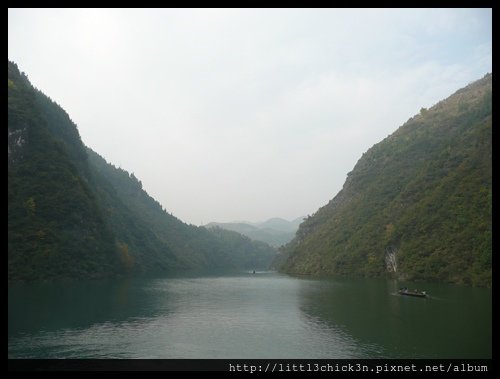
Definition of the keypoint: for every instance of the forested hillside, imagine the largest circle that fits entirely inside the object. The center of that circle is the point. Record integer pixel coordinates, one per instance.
(55, 226)
(73, 215)
(416, 205)
(159, 239)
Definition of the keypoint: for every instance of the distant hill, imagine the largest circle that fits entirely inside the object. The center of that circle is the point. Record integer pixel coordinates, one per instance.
(73, 215)
(416, 205)
(275, 231)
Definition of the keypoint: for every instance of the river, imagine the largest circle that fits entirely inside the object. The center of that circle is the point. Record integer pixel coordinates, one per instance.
(246, 315)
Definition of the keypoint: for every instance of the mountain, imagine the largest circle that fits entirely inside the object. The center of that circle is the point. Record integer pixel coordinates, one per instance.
(416, 206)
(55, 225)
(73, 215)
(278, 224)
(138, 221)
(275, 231)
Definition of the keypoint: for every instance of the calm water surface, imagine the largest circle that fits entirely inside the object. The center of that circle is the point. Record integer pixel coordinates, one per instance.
(245, 315)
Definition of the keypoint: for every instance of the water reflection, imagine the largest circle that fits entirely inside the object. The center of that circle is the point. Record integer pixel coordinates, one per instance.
(388, 325)
(70, 305)
(246, 316)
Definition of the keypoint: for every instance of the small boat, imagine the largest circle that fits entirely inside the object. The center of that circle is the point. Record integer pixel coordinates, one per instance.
(415, 293)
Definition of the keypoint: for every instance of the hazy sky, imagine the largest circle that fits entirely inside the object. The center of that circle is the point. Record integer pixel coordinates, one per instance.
(245, 114)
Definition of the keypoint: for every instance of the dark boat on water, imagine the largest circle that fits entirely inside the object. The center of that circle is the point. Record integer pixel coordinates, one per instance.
(415, 293)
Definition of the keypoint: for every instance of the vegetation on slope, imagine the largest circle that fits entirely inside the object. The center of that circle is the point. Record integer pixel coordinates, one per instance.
(73, 215)
(55, 227)
(157, 239)
(416, 205)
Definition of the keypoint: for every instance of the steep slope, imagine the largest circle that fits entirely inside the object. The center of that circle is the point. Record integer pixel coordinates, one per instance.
(157, 239)
(55, 227)
(73, 215)
(416, 205)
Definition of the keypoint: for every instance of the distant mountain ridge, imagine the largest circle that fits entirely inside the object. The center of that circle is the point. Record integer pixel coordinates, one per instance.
(417, 205)
(275, 231)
